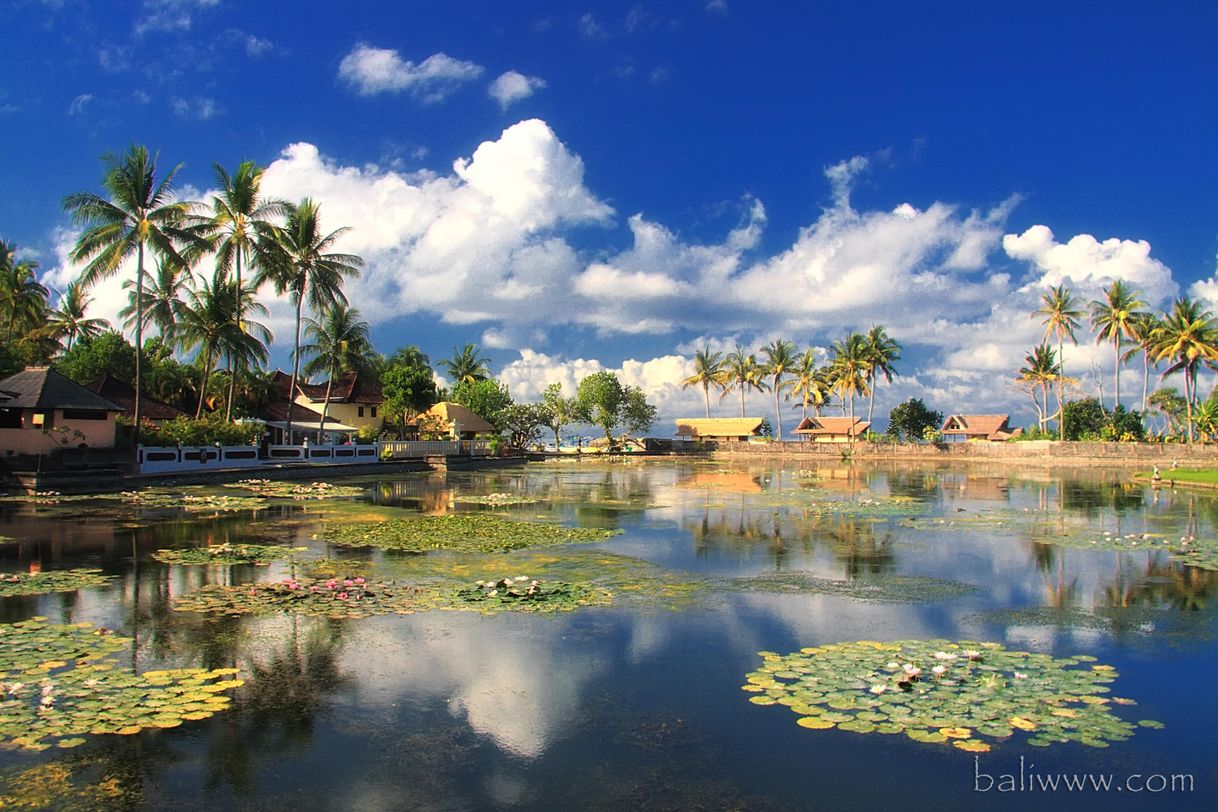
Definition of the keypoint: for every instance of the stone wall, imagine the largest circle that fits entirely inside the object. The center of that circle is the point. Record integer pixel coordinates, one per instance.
(1030, 452)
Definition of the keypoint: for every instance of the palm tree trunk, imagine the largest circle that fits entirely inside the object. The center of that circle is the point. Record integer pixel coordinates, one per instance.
(1116, 378)
(742, 397)
(206, 378)
(1188, 400)
(870, 400)
(1145, 377)
(1061, 377)
(325, 405)
(706, 394)
(777, 410)
(232, 367)
(139, 342)
(295, 367)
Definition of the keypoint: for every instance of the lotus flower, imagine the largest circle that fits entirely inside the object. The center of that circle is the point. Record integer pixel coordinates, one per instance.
(972, 654)
(939, 670)
(348, 582)
(878, 689)
(359, 580)
(342, 596)
(943, 655)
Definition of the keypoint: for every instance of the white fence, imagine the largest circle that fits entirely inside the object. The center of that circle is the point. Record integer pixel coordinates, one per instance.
(176, 459)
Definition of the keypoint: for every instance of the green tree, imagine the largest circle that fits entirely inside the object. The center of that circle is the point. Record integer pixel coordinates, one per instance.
(206, 321)
(743, 372)
(69, 321)
(140, 214)
(1061, 316)
(1113, 319)
(1171, 404)
(91, 358)
(810, 384)
(164, 292)
(299, 260)
(467, 365)
(603, 401)
(523, 422)
(408, 390)
(1187, 338)
(559, 411)
(709, 370)
(779, 361)
(910, 420)
(338, 343)
(638, 416)
(1084, 419)
(1040, 369)
(485, 398)
(1145, 327)
(23, 299)
(883, 352)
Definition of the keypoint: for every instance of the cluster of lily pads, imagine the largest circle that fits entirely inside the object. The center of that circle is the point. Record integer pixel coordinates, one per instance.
(474, 532)
(295, 490)
(257, 554)
(532, 595)
(873, 588)
(498, 499)
(192, 502)
(937, 691)
(57, 686)
(1188, 549)
(40, 583)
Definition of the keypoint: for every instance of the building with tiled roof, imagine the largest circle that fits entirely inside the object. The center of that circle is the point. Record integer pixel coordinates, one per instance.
(42, 411)
(122, 394)
(992, 427)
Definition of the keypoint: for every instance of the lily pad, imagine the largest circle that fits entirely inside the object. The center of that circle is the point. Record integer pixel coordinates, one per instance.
(938, 691)
(498, 499)
(257, 554)
(39, 583)
(477, 532)
(57, 686)
(296, 490)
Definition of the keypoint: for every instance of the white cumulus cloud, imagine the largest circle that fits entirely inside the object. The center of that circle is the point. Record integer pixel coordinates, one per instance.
(511, 87)
(381, 70)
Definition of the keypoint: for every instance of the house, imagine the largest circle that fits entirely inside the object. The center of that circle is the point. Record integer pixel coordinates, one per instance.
(719, 429)
(831, 429)
(462, 424)
(306, 423)
(42, 411)
(992, 427)
(356, 399)
(122, 394)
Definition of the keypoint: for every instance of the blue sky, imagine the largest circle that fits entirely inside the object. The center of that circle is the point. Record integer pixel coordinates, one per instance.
(611, 185)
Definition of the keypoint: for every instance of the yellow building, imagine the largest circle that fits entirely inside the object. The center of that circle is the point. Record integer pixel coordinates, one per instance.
(831, 429)
(355, 400)
(719, 429)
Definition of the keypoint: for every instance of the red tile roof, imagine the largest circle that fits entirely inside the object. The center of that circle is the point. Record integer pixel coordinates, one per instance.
(122, 394)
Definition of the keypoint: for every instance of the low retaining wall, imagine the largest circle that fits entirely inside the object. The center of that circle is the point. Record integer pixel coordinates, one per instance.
(1028, 452)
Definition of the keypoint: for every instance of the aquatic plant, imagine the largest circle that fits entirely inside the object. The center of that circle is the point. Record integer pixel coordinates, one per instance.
(39, 583)
(522, 593)
(296, 490)
(350, 596)
(192, 502)
(257, 554)
(938, 691)
(872, 588)
(498, 499)
(475, 532)
(58, 687)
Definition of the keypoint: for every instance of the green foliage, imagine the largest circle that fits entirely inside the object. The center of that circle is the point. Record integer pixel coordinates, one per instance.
(207, 430)
(474, 532)
(937, 691)
(1123, 426)
(522, 593)
(1086, 420)
(296, 490)
(408, 390)
(61, 687)
(11, 360)
(910, 420)
(523, 422)
(342, 597)
(91, 358)
(41, 583)
(559, 411)
(603, 401)
(256, 554)
(486, 398)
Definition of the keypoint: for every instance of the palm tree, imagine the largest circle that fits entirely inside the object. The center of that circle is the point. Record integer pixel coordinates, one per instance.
(240, 224)
(163, 296)
(1113, 320)
(779, 360)
(69, 320)
(709, 370)
(140, 214)
(1144, 326)
(207, 323)
(339, 344)
(23, 299)
(297, 259)
(742, 370)
(1041, 368)
(809, 384)
(466, 366)
(851, 359)
(883, 351)
(1061, 319)
(1188, 337)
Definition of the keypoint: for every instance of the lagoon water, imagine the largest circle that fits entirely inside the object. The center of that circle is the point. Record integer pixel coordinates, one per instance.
(638, 704)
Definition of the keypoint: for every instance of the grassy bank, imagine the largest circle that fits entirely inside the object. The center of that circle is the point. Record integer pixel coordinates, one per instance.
(1201, 477)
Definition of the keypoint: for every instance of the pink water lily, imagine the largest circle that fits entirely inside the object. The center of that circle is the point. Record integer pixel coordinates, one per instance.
(359, 580)
(342, 596)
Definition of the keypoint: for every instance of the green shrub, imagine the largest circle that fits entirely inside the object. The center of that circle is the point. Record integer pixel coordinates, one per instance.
(211, 429)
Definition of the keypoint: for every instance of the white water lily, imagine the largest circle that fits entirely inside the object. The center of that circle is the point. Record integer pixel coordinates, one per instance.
(943, 655)
(878, 689)
(939, 670)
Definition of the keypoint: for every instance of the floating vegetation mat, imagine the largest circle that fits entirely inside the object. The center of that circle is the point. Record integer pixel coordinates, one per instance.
(161, 499)
(58, 687)
(1150, 623)
(871, 589)
(39, 583)
(498, 499)
(1189, 550)
(355, 597)
(942, 692)
(815, 502)
(296, 490)
(257, 554)
(62, 786)
(477, 532)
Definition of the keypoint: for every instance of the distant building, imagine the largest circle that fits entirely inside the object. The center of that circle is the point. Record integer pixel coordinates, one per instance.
(719, 429)
(42, 411)
(831, 429)
(122, 394)
(462, 424)
(356, 401)
(992, 427)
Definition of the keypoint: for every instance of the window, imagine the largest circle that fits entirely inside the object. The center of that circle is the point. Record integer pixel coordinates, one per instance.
(83, 414)
(361, 411)
(10, 418)
(374, 411)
